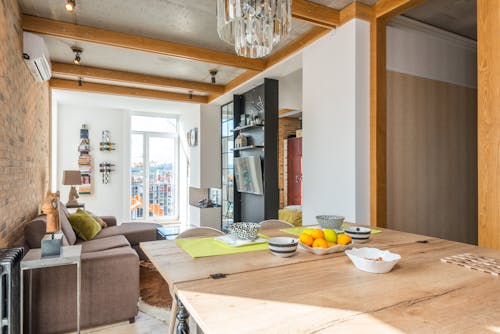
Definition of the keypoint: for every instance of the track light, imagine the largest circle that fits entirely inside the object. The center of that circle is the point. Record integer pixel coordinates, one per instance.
(70, 5)
(213, 73)
(190, 95)
(77, 51)
(80, 82)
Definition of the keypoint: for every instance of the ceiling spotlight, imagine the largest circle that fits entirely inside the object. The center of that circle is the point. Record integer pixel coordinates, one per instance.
(80, 82)
(70, 5)
(77, 51)
(213, 73)
(190, 95)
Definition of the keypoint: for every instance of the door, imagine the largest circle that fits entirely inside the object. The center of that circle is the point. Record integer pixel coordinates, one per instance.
(294, 171)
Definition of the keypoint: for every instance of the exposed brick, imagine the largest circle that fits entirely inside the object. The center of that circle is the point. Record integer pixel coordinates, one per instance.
(24, 131)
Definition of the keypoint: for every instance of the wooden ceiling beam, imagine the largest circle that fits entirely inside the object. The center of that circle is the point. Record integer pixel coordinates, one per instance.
(135, 78)
(126, 91)
(385, 9)
(315, 13)
(134, 42)
(356, 10)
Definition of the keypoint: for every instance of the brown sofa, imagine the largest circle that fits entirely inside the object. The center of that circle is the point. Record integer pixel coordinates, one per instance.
(109, 273)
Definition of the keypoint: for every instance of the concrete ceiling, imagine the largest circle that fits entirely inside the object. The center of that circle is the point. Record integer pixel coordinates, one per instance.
(456, 16)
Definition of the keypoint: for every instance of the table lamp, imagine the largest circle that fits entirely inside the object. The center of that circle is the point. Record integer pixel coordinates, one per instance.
(72, 178)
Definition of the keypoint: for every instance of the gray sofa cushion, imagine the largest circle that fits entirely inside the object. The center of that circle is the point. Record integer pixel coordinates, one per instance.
(35, 231)
(134, 232)
(65, 225)
(98, 245)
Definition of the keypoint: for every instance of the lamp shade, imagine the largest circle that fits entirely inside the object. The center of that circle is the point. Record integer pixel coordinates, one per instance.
(72, 178)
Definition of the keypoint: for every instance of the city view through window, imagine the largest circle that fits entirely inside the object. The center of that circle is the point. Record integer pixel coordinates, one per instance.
(153, 166)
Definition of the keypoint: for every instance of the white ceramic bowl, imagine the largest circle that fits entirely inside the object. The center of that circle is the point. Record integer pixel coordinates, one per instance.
(373, 260)
(358, 234)
(283, 246)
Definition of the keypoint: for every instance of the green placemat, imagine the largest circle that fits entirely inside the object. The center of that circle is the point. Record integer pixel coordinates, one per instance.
(203, 247)
(299, 230)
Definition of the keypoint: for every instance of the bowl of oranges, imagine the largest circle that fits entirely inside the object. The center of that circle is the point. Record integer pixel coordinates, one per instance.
(321, 242)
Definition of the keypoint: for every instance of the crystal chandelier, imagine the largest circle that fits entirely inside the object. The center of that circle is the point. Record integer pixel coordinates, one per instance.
(253, 26)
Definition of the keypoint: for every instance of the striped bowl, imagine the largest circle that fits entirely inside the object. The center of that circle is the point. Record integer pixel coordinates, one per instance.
(358, 234)
(283, 246)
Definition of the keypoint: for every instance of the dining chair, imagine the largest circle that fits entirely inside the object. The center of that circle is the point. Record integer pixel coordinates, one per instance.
(191, 233)
(274, 224)
(200, 232)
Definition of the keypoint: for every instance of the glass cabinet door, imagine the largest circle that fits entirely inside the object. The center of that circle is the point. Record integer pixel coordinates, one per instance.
(227, 125)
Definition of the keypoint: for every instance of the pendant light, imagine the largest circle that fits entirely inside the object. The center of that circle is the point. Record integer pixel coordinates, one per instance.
(253, 26)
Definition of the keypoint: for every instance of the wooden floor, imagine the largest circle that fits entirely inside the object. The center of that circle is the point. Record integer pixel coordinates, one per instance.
(143, 324)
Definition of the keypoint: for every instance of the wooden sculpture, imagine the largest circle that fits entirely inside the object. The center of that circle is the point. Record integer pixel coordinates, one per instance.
(51, 208)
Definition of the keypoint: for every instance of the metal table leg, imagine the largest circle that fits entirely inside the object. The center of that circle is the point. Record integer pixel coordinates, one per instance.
(182, 318)
(21, 302)
(30, 300)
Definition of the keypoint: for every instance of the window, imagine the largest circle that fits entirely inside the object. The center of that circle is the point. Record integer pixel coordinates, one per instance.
(154, 166)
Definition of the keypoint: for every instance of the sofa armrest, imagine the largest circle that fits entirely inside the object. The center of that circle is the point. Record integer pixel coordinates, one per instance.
(109, 220)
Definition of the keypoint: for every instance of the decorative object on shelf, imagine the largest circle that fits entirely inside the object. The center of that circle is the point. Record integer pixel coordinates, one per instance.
(243, 120)
(192, 137)
(85, 162)
(254, 27)
(72, 178)
(106, 168)
(241, 141)
(51, 244)
(106, 144)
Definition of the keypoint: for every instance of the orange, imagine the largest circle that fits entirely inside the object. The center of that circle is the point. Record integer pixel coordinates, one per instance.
(331, 244)
(320, 243)
(343, 239)
(306, 239)
(317, 234)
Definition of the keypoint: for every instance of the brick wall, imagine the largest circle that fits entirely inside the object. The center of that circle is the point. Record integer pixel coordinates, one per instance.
(24, 132)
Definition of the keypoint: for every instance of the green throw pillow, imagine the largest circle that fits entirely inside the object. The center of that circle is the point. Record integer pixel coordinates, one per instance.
(84, 225)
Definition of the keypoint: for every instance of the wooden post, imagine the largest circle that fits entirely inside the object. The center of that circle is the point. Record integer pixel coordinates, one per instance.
(378, 123)
(488, 121)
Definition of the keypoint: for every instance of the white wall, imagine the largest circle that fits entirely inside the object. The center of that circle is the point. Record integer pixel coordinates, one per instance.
(418, 49)
(336, 124)
(290, 91)
(72, 109)
(106, 199)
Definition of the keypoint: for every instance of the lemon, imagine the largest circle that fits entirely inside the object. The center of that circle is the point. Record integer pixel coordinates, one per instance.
(330, 235)
(307, 231)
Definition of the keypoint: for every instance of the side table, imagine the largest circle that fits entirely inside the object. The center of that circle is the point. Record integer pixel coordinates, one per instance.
(70, 255)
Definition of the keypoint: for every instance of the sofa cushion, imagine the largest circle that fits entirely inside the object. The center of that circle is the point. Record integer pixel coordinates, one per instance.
(134, 232)
(98, 245)
(65, 225)
(98, 219)
(84, 225)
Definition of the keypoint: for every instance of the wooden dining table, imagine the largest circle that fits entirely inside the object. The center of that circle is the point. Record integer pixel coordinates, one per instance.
(257, 292)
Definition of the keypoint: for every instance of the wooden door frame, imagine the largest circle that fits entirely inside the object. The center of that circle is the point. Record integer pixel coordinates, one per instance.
(383, 11)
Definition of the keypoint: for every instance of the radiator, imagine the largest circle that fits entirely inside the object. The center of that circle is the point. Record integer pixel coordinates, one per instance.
(10, 260)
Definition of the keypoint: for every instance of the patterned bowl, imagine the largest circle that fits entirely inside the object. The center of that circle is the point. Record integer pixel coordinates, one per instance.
(331, 222)
(244, 231)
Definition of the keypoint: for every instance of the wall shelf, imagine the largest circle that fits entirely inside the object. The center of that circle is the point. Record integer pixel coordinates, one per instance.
(248, 127)
(250, 147)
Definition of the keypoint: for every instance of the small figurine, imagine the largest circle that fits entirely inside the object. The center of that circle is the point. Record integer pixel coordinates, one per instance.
(50, 207)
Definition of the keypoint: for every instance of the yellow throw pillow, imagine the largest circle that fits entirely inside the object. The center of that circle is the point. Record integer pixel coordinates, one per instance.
(84, 225)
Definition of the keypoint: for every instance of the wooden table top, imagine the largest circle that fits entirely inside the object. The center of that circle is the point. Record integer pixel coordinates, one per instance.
(326, 294)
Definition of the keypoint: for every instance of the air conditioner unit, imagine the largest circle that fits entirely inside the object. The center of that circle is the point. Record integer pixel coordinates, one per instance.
(36, 56)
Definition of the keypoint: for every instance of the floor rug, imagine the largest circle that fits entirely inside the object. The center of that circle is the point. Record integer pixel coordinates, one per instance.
(155, 300)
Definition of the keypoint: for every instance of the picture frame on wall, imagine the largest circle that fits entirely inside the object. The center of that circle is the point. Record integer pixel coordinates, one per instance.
(192, 137)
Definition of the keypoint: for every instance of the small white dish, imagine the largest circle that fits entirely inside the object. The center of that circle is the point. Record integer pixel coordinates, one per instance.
(373, 260)
(323, 251)
(283, 246)
(228, 240)
(358, 234)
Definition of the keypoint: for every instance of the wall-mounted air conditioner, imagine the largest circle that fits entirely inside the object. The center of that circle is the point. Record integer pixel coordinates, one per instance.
(36, 56)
